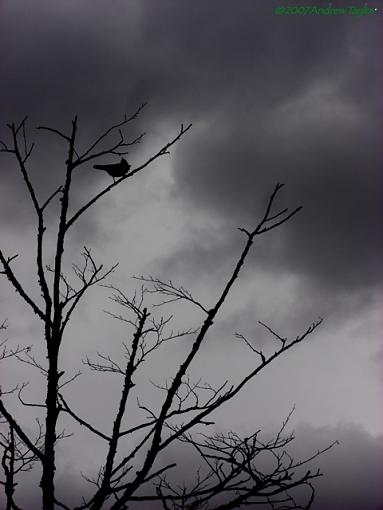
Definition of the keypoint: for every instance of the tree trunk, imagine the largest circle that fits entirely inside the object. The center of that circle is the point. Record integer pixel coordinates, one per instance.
(47, 479)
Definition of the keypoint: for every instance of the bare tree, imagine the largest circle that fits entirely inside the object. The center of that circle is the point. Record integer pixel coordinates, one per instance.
(232, 477)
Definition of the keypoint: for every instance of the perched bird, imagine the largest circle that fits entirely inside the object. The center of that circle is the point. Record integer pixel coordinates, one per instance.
(116, 170)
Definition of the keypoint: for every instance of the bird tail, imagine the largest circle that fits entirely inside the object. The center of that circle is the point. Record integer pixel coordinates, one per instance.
(100, 167)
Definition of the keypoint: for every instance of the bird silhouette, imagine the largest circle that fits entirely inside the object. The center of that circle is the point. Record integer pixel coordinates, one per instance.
(115, 170)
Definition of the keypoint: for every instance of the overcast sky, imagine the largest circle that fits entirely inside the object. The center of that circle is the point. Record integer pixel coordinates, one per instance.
(272, 98)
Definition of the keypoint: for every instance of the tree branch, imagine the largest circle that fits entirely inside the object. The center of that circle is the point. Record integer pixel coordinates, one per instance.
(16, 284)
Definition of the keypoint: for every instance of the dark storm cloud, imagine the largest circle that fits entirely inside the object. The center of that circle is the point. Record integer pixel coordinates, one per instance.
(322, 141)
(272, 98)
(350, 472)
(297, 101)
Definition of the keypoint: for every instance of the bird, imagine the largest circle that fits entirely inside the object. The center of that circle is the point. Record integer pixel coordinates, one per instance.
(115, 170)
